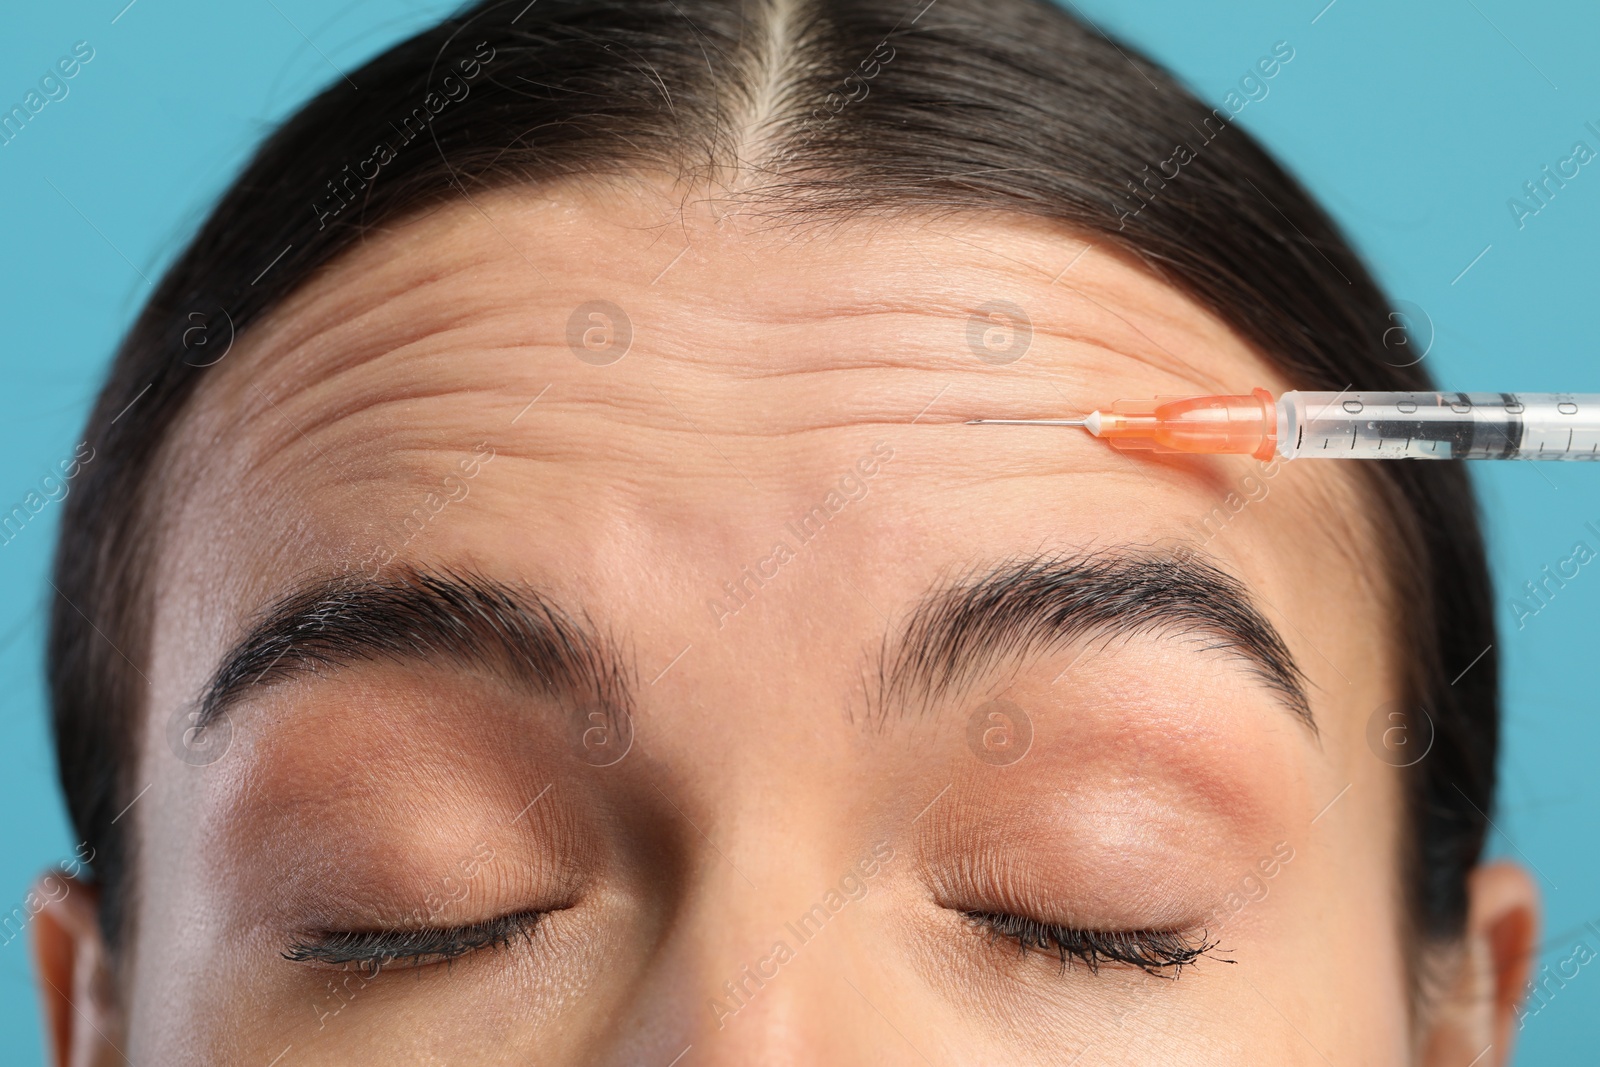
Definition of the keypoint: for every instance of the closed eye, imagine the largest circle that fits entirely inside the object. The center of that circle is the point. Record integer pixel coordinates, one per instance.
(374, 949)
(1159, 952)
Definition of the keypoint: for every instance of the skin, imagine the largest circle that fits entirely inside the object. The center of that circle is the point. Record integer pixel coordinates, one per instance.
(1162, 779)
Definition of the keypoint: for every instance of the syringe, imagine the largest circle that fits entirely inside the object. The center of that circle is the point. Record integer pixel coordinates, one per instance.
(1348, 425)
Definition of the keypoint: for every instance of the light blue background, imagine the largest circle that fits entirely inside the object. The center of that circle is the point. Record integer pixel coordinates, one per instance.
(1414, 123)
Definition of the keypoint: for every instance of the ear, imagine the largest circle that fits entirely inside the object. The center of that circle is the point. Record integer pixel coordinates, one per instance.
(81, 1022)
(1477, 1016)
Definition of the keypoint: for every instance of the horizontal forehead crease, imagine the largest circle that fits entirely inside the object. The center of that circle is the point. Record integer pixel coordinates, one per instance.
(513, 294)
(447, 392)
(714, 330)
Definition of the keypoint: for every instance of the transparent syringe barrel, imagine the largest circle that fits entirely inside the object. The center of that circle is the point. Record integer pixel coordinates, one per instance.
(1353, 425)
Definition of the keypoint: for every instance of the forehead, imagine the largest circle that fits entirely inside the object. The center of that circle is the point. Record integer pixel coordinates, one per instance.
(633, 401)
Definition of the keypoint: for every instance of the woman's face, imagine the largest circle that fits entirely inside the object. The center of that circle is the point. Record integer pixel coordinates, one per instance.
(655, 583)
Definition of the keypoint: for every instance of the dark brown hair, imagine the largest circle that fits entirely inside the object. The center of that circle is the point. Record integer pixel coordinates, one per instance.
(863, 107)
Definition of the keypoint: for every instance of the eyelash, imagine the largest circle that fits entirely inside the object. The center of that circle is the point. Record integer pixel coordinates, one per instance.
(1162, 953)
(375, 949)
(1156, 952)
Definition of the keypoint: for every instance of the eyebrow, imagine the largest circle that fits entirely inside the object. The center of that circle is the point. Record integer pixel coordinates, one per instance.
(1037, 605)
(513, 633)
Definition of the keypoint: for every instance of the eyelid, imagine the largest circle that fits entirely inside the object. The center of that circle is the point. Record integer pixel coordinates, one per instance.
(419, 947)
(1162, 953)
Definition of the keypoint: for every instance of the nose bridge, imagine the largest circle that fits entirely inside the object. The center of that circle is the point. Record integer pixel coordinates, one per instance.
(772, 941)
(776, 985)
(770, 962)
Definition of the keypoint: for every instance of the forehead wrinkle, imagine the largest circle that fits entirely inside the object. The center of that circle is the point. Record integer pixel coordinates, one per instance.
(669, 402)
(1136, 285)
(1170, 362)
(345, 326)
(362, 306)
(350, 371)
(567, 426)
(328, 305)
(380, 404)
